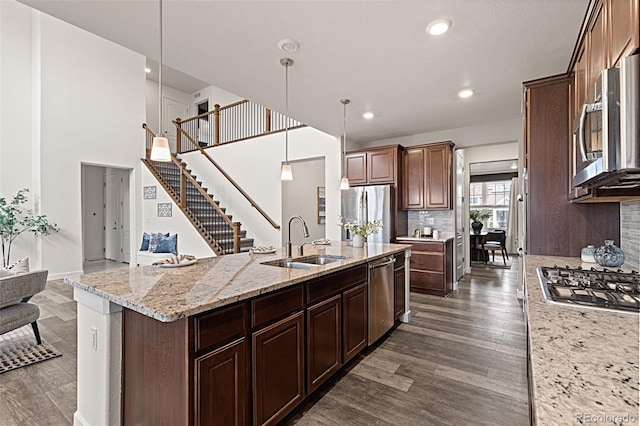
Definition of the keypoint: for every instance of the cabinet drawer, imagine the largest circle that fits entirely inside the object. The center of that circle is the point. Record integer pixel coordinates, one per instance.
(217, 327)
(427, 261)
(268, 308)
(427, 280)
(332, 284)
(432, 246)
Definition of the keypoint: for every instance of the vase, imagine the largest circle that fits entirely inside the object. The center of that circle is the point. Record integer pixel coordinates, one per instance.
(358, 241)
(609, 255)
(476, 226)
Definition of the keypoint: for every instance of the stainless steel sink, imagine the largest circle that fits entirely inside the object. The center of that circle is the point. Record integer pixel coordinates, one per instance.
(305, 262)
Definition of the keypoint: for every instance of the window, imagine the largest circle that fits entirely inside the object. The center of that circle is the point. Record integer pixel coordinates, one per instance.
(492, 196)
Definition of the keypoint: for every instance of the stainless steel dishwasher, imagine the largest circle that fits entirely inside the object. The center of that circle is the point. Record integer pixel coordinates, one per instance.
(381, 293)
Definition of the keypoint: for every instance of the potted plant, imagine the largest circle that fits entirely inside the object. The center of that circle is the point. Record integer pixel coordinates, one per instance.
(476, 217)
(15, 219)
(361, 232)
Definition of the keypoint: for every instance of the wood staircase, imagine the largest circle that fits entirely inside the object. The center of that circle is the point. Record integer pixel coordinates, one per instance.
(211, 222)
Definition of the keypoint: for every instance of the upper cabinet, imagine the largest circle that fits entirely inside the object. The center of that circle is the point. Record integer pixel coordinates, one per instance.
(623, 19)
(374, 166)
(427, 182)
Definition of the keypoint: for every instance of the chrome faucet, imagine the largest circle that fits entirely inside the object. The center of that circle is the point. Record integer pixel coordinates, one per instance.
(305, 230)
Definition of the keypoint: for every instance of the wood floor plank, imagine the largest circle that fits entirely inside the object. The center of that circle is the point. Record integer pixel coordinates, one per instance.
(383, 377)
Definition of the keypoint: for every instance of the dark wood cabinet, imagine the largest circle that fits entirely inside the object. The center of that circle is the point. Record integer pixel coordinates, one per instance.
(357, 168)
(428, 178)
(596, 43)
(374, 166)
(324, 341)
(221, 386)
(431, 266)
(555, 225)
(278, 369)
(354, 323)
(623, 29)
(399, 288)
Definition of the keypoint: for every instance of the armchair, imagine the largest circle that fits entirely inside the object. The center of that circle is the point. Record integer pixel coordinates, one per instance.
(15, 309)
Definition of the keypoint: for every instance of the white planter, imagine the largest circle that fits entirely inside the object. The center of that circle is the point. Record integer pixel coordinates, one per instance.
(358, 241)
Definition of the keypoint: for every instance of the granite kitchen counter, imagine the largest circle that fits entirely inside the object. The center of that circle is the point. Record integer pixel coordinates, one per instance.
(168, 294)
(584, 362)
(409, 238)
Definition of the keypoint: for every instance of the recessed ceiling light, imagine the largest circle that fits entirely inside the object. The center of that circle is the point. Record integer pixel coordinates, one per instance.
(465, 93)
(368, 115)
(147, 70)
(288, 45)
(439, 27)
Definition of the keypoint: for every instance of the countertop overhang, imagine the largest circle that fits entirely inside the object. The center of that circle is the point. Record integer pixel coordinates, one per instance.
(584, 362)
(168, 294)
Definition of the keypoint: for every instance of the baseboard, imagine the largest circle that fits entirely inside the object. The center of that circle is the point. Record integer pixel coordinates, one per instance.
(63, 275)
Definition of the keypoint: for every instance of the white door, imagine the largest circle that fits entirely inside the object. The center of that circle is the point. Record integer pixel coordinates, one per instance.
(460, 228)
(112, 213)
(172, 109)
(125, 214)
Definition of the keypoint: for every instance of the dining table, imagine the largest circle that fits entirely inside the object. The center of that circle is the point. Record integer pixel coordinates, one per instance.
(478, 253)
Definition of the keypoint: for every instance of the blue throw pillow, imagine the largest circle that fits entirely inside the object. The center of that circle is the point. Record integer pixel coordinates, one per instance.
(145, 242)
(167, 244)
(154, 239)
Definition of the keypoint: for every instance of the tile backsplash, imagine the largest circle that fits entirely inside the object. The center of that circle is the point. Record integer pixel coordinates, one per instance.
(630, 233)
(443, 221)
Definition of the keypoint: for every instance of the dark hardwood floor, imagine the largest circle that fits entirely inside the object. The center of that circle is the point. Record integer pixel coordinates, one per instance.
(460, 361)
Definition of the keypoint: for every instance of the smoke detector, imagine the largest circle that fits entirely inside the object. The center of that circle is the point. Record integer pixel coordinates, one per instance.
(288, 45)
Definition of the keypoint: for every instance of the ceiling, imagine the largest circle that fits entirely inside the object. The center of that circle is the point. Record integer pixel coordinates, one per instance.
(375, 53)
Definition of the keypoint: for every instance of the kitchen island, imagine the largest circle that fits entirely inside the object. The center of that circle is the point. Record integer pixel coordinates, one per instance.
(583, 363)
(211, 340)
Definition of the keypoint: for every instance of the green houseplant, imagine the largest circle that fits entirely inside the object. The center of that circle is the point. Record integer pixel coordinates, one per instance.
(476, 217)
(15, 220)
(360, 231)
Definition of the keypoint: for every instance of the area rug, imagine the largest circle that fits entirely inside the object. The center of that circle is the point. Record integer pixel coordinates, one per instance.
(493, 265)
(18, 348)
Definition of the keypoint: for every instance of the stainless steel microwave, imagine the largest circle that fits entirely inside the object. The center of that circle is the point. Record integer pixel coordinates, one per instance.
(606, 134)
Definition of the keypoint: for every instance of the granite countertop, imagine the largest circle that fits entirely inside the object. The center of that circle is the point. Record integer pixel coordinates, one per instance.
(584, 362)
(410, 238)
(168, 294)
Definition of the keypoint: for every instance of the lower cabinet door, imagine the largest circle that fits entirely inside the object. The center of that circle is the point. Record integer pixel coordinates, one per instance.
(324, 346)
(354, 322)
(278, 369)
(221, 390)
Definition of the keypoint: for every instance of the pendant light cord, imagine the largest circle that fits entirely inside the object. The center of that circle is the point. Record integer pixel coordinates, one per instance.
(160, 77)
(345, 102)
(286, 107)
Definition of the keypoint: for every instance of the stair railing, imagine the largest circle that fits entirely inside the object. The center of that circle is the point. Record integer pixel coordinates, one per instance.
(235, 122)
(182, 196)
(185, 136)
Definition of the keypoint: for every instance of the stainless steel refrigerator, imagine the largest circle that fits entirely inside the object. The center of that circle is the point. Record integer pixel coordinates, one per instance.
(368, 203)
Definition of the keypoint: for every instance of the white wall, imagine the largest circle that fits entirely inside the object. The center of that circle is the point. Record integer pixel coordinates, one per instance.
(255, 165)
(462, 137)
(86, 106)
(300, 198)
(16, 122)
(189, 240)
(215, 95)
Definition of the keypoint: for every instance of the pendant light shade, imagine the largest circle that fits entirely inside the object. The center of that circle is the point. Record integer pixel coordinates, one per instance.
(286, 174)
(344, 183)
(160, 150)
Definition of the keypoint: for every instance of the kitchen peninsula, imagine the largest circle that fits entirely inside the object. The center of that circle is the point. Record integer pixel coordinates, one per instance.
(228, 338)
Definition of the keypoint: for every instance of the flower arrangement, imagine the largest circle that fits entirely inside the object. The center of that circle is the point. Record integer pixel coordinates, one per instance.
(479, 215)
(365, 229)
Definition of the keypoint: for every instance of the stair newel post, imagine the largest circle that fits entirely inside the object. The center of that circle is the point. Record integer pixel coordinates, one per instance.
(216, 115)
(267, 120)
(236, 237)
(183, 186)
(178, 123)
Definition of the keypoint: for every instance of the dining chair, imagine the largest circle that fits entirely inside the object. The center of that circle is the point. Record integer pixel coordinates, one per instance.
(496, 240)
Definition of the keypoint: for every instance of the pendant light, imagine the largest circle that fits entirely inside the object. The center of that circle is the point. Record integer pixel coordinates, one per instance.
(286, 174)
(160, 150)
(344, 183)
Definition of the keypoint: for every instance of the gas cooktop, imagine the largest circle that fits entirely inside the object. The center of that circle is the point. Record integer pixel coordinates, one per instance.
(593, 288)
